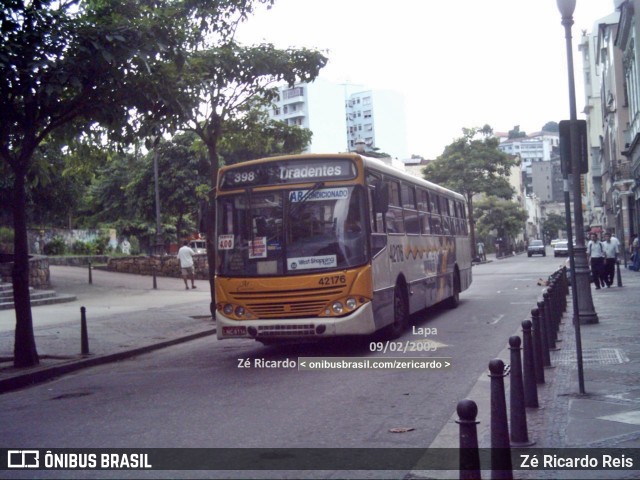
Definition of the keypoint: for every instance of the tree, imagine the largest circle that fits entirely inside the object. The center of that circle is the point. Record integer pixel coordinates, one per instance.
(216, 88)
(506, 217)
(255, 135)
(470, 166)
(516, 133)
(551, 127)
(553, 224)
(69, 65)
(57, 65)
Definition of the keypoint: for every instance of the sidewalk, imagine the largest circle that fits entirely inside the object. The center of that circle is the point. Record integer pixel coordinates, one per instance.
(125, 317)
(606, 416)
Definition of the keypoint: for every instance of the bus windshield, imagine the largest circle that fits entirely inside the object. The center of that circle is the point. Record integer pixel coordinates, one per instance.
(291, 231)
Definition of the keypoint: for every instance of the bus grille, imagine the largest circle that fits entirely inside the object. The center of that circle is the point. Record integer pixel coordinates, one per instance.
(301, 303)
(291, 330)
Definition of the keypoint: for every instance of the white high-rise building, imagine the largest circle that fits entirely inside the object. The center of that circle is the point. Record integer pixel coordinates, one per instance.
(378, 118)
(318, 106)
(339, 119)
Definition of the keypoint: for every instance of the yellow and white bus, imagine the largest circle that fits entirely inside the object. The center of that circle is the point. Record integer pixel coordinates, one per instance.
(316, 246)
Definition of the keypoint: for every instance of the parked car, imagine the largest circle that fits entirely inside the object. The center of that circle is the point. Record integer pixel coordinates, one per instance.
(536, 247)
(198, 246)
(554, 241)
(561, 248)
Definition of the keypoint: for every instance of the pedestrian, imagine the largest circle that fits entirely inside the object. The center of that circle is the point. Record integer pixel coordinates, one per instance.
(185, 256)
(610, 248)
(481, 254)
(634, 249)
(595, 253)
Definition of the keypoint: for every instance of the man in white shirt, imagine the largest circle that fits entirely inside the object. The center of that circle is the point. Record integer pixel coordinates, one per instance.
(595, 252)
(185, 255)
(611, 255)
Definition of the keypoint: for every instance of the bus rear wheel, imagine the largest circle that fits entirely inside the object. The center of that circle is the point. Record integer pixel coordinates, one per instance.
(400, 314)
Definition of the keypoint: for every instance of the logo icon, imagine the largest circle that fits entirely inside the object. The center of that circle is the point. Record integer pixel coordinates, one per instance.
(23, 459)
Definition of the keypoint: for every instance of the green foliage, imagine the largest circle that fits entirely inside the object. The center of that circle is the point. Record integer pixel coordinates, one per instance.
(55, 247)
(516, 133)
(6, 240)
(553, 224)
(505, 217)
(83, 248)
(254, 135)
(472, 165)
(551, 127)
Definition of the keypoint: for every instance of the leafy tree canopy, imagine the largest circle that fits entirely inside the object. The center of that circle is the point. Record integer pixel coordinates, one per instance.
(504, 216)
(553, 224)
(516, 133)
(255, 135)
(473, 164)
(551, 127)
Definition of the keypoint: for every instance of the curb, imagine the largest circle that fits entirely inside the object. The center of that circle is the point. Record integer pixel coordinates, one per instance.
(47, 373)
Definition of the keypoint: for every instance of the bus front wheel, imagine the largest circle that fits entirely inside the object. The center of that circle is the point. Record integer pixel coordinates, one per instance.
(400, 313)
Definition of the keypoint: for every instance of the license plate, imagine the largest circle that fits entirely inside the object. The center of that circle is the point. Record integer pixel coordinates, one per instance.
(234, 331)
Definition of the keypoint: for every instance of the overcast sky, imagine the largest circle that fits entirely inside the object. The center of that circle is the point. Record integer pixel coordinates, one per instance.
(458, 63)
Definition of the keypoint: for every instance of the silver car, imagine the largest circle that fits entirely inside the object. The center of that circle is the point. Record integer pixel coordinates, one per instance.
(561, 248)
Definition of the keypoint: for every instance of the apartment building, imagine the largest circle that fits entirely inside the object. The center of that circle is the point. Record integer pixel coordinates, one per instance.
(318, 106)
(378, 118)
(341, 121)
(610, 67)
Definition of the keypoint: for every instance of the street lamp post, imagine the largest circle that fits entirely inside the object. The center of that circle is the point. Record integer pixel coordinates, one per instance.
(586, 313)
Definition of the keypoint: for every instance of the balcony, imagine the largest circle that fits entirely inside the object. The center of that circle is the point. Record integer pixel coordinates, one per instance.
(622, 177)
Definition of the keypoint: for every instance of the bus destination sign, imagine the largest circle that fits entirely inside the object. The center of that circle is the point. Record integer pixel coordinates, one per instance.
(295, 171)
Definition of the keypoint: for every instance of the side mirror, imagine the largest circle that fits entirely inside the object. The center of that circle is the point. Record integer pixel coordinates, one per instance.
(381, 196)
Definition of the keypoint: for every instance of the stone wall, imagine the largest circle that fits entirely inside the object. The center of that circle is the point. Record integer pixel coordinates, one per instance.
(39, 276)
(165, 266)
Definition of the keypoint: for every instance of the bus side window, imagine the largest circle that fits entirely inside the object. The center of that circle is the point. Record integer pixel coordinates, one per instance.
(377, 218)
(425, 223)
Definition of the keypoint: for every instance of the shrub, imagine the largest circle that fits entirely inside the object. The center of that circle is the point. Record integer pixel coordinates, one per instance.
(82, 248)
(55, 247)
(6, 240)
(101, 245)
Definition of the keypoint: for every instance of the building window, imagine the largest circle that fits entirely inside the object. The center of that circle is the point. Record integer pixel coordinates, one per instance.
(293, 92)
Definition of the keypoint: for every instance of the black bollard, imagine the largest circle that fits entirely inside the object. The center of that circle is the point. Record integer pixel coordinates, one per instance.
(155, 282)
(538, 361)
(90, 277)
(549, 326)
(84, 336)
(469, 453)
(618, 275)
(500, 448)
(528, 367)
(544, 339)
(518, 414)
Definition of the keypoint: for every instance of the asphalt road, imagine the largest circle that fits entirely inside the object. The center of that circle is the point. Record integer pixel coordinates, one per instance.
(196, 394)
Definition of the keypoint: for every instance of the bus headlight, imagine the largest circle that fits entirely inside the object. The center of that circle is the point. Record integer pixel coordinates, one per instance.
(343, 306)
(228, 309)
(337, 307)
(239, 311)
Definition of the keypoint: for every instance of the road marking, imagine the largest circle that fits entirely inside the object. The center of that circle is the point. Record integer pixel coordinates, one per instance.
(496, 320)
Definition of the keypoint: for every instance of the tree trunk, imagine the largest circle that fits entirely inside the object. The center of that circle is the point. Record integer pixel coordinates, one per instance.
(25, 353)
(211, 221)
(472, 226)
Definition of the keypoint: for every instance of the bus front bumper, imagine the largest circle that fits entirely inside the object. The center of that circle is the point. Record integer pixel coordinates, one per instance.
(359, 322)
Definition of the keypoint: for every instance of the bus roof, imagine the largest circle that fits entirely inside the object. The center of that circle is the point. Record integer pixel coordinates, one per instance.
(379, 165)
(368, 162)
